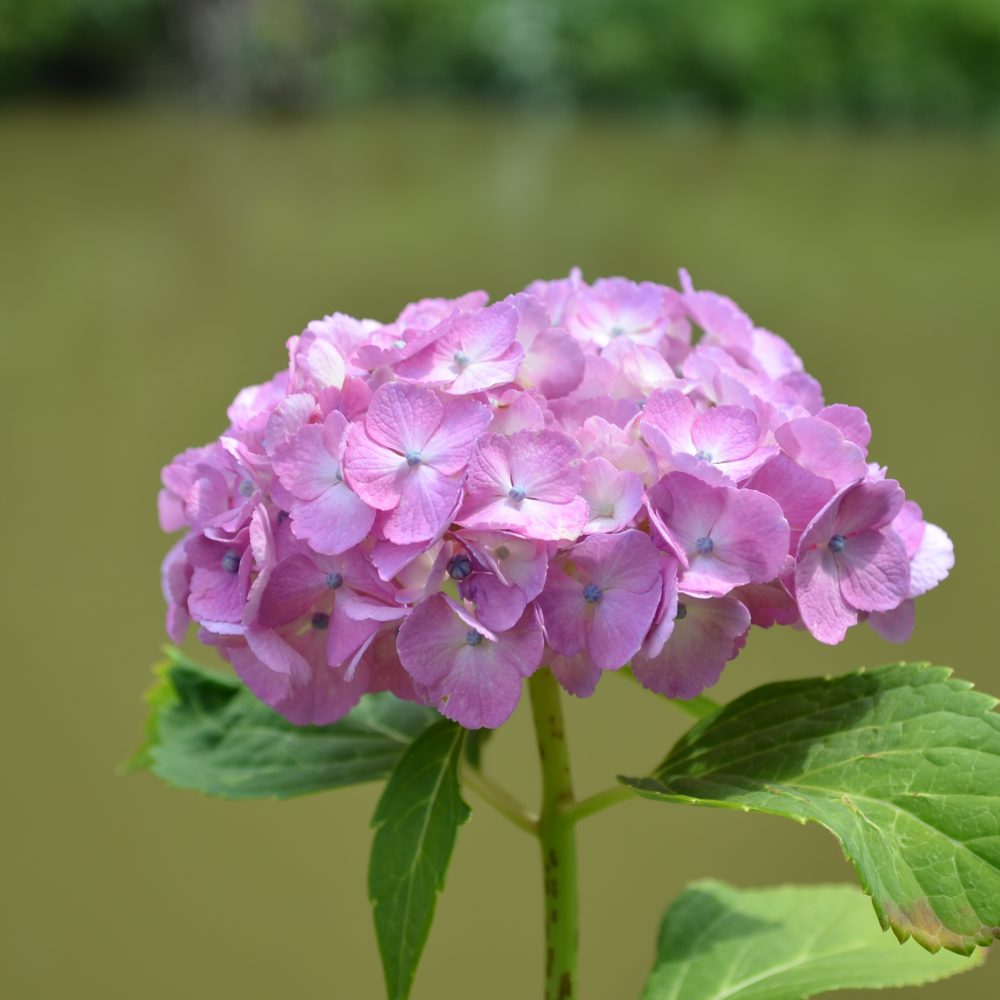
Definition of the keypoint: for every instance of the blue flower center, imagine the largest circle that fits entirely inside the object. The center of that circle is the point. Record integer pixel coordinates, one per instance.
(837, 544)
(334, 581)
(461, 358)
(231, 561)
(705, 456)
(517, 493)
(501, 552)
(459, 567)
(246, 488)
(681, 612)
(473, 638)
(413, 458)
(320, 621)
(704, 545)
(591, 593)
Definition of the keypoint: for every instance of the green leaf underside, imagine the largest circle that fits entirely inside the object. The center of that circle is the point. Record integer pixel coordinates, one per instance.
(788, 943)
(900, 763)
(207, 732)
(416, 823)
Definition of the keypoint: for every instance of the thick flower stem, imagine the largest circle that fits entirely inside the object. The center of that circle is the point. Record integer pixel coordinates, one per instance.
(558, 839)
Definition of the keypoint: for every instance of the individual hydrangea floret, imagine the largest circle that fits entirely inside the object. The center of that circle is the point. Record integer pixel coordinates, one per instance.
(579, 476)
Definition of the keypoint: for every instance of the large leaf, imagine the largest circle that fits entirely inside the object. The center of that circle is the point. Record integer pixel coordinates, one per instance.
(416, 819)
(901, 763)
(721, 943)
(206, 731)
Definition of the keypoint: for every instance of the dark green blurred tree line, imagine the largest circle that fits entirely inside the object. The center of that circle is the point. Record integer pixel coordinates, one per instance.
(861, 60)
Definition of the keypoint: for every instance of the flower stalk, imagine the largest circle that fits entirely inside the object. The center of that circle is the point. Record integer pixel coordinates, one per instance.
(557, 837)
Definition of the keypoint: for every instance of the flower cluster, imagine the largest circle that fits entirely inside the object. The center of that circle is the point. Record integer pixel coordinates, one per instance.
(582, 475)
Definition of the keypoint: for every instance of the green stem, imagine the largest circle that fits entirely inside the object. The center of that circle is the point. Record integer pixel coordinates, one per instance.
(557, 836)
(599, 802)
(499, 798)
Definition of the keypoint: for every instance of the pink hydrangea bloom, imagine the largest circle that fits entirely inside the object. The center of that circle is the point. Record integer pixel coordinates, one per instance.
(528, 483)
(850, 560)
(437, 504)
(408, 455)
(601, 596)
(471, 674)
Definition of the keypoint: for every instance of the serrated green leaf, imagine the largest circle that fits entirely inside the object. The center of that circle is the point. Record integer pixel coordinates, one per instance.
(788, 943)
(207, 732)
(901, 764)
(417, 819)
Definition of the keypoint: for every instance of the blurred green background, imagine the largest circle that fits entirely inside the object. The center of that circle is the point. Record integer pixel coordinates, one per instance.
(160, 243)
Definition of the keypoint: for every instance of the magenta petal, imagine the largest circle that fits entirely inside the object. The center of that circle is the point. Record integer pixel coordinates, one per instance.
(869, 505)
(498, 606)
(874, 571)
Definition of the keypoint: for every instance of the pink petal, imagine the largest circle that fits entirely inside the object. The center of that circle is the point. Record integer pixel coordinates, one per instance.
(553, 364)
(450, 446)
(667, 419)
(427, 504)
(564, 612)
(708, 636)
(874, 571)
(896, 625)
(725, 433)
(621, 621)
(403, 417)
(869, 505)
(817, 592)
(295, 585)
(851, 421)
(613, 497)
(577, 674)
(820, 447)
(374, 472)
(932, 562)
(334, 522)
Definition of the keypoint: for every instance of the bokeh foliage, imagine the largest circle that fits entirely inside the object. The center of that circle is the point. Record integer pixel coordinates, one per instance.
(913, 61)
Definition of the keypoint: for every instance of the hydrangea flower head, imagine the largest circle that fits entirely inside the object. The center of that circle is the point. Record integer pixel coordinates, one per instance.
(579, 476)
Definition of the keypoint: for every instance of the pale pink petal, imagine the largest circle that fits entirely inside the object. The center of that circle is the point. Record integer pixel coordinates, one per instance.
(932, 562)
(725, 433)
(851, 421)
(374, 472)
(666, 423)
(541, 465)
(403, 417)
(450, 446)
(820, 447)
(613, 497)
(553, 364)
(487, 374)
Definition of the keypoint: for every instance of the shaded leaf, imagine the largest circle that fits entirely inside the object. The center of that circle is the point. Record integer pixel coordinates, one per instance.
(207, 732)
(417, 819)
(901, 763)
(722, 943)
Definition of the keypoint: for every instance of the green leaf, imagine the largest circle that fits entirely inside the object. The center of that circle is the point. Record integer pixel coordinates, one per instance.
(722, 943)
(206, 731)
(901, 764)
(417, 819)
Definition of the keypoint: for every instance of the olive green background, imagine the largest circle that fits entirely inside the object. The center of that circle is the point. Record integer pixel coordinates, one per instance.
(152, 264)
